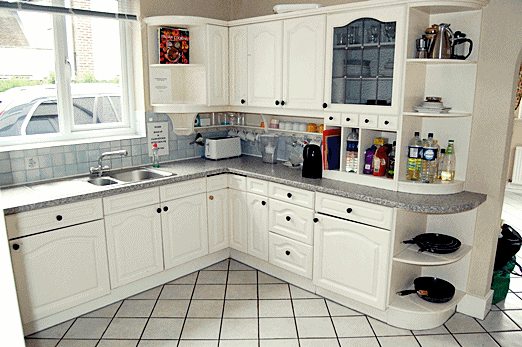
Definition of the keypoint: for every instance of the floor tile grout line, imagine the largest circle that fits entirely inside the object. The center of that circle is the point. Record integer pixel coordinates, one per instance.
(331, 319)
(373, 330)
(108, 325)
(293, 311)
(188, 308)
(224, 302)
(65, 333)
(150, 315)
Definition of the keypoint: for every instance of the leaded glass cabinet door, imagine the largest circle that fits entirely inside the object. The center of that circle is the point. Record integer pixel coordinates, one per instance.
(364, 59)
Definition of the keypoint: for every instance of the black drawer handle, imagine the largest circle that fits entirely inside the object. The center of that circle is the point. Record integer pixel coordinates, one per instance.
(289, 195)
(282, 103)
(277, 102)
(386, 122)
(316, 220)
(330, 118)
(288, 218)
(287, 252)
(349, 210)
(325, 105)
(243, 101)
(166, 208)
(158, 210)
(16, 246)
(59, 217)
(367, 120)
(348, 119)
(263, 203)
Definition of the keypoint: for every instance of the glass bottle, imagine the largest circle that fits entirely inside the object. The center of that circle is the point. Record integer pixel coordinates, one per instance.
(448, 170)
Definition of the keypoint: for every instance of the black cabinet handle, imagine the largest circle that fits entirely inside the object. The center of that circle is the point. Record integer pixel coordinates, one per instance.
(348, 119)
(386, 122)
(243, 101)
(325, 105)
(263, 203)
(59, 217)
(288, 218)
(330, 118)
(287, 252)
(367, 120)
(316, 220)
(289, 195)
(158, 210)
(282, 103)
(165, 208)
(16, 246)
(349, 210)
(277, 102)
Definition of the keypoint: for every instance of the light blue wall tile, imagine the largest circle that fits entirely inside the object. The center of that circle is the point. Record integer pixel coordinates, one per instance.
(30, 152)
(93, 155)
(18, 164)
(126, 162)
(46, 173)
(115, 163)
(125, 144)
(136, 160)
(16, 154)
(136, 150)
(105, 145)
(4, 156)
(6, 179)
(94, 145)
(5, 166)
(82, 157)
(58, 159)
(83, 168)
(19, 177)
(58, 171)
(135, 142)
(71, 169)
(33, 175)
(70, 158)
(45, 160)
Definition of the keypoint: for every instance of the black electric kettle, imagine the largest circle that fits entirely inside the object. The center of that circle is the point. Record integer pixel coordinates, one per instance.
(457, 47)
(312, 162)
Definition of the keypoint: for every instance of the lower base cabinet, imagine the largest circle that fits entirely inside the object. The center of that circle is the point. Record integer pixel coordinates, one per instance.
(352, 259)
(184, 224)
(60, 269)
(134, 244)
(237, 204)
(291, 255)
(217, 206)
(257, 226)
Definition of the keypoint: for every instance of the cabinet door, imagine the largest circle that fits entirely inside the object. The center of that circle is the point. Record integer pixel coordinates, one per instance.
(265, 47)
(257, 226)
(217, 73)
(134, 244)
(303, 62)
(185, 235)
(352, 259)
(363, 54)
(237, 214)
(217, 206)
(238, 65)
(60, 269)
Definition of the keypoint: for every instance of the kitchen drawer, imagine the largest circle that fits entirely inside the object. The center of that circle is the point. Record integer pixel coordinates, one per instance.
(290, 255)
(292, 195)
(182, 189)
(31, 222)
(332, 119)
(388, 122)
(217, 182)
(237, 182)
(129, 201)
(256, 186)
(368, 120)
(349, 119)
(359, 211)
(291, 221)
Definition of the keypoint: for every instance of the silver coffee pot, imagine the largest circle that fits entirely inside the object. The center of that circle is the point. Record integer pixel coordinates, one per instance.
(440, 41)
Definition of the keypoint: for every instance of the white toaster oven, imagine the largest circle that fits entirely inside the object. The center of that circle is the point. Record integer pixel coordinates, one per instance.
(222, 147)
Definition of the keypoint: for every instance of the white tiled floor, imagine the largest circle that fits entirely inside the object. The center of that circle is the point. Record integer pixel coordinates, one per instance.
(215, 307)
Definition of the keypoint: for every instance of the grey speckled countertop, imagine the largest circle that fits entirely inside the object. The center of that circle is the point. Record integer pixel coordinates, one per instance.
(31, 197)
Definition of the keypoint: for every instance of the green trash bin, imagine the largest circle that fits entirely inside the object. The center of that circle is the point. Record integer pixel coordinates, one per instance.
(500, 283)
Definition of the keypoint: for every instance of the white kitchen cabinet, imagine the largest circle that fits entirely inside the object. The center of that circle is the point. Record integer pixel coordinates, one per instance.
(291, 255)
(257, 226)
(265, 52)
(217, 62)
(291, 221)
(352, 259)
(285, 63)
(217, 208)
(237, 204)
(134, 244)
(238, 66)
(185, 235)
(60, 269)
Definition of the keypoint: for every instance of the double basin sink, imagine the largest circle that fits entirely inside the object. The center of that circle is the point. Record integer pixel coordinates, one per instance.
(128, 176)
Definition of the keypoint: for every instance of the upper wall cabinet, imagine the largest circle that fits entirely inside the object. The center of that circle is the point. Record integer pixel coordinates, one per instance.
(196, 85)
(238, 65)
(286, 63)
(364, 60)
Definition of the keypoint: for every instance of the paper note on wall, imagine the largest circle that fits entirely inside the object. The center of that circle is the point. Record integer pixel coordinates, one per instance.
(158, 132)
(160, 86)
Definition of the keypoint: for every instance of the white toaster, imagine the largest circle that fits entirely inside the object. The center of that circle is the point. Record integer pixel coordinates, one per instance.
(222, 147)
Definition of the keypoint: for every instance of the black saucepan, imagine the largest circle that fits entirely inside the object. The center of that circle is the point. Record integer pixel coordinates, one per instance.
(431, 289)
(435, 243)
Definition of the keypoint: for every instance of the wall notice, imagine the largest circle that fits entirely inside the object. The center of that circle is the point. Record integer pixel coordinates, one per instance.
(160, 86)
(158, 132)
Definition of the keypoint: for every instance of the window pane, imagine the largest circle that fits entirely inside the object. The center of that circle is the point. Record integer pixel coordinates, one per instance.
(26, 72)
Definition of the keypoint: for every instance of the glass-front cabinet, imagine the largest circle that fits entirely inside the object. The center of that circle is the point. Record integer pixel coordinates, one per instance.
(364, 50)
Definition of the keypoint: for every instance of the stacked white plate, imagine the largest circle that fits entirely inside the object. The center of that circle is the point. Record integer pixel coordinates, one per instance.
(432, 107)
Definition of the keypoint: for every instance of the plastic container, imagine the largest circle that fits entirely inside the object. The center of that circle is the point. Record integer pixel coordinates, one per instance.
(429, 160)
(414, 159)
(352, 147)
(380, 160)
(501, 281)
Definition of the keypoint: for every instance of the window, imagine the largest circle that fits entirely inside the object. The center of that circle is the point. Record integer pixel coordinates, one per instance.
(65, 70)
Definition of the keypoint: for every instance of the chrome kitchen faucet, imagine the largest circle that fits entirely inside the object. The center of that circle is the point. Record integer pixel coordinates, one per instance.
(100, 169)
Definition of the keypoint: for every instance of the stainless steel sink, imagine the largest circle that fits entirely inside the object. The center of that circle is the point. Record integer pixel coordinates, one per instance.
(137, 175)
(128, 176)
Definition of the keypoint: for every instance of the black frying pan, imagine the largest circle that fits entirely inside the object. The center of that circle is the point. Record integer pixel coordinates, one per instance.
(432, 289)
(435, 243)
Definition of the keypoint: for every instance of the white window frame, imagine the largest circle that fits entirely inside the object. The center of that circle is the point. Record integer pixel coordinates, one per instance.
(69, 132)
